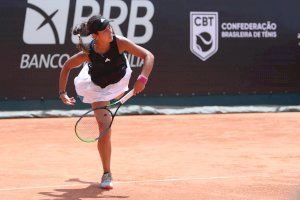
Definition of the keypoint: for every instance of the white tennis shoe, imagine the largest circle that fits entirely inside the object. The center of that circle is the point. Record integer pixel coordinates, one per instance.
(106, 181)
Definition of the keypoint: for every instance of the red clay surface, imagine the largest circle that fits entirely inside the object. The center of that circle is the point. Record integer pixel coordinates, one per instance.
(218, 156)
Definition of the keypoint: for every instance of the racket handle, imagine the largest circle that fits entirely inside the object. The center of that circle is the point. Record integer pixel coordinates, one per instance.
(127, 96)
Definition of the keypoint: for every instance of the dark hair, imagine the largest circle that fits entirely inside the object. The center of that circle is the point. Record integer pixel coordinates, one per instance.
(81, 30)
(93, 25)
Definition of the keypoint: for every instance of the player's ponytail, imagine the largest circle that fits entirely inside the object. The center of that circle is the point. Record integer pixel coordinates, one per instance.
(81, 30)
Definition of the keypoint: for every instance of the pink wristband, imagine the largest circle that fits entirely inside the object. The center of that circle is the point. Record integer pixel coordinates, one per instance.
(143, 79)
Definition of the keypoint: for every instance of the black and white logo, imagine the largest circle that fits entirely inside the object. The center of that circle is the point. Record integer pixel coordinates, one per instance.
(46, 21)
(204, 35)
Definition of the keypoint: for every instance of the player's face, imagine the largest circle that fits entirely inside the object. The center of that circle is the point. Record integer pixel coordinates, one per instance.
(106, 35)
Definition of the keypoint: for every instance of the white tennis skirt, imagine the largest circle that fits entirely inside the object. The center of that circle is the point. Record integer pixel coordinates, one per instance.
(90, 92)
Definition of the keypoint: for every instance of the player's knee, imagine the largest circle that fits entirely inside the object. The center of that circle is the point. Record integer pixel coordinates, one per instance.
(106, 137)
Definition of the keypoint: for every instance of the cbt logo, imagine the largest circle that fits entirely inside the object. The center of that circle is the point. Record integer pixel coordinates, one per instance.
(45, 22)
(204, 35)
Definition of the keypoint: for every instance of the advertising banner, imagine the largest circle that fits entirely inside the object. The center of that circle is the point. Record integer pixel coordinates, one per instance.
(201, 47)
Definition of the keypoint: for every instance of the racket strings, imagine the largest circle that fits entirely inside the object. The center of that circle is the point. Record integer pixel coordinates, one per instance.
(94, 125)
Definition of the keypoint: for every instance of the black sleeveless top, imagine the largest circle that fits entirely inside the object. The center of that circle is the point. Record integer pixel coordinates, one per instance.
(108, 68)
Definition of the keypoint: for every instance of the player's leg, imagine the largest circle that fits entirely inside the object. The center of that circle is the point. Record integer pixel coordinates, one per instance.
(104, 144)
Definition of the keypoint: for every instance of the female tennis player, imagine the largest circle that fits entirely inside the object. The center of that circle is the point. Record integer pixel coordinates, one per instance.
(105, 76)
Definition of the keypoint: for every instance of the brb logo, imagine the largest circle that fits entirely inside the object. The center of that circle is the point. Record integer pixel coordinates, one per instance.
(45, 23)
(46, 20)
(204, 34)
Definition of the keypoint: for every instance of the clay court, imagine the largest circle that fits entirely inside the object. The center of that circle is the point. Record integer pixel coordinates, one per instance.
(216, 156)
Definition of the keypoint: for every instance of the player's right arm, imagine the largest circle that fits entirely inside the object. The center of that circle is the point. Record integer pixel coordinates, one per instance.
(73, 62)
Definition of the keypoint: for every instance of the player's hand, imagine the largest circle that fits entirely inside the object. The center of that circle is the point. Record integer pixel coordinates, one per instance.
(139, 86)
(67, 100)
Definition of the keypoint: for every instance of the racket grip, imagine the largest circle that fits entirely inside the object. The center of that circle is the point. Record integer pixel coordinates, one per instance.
(127, 96)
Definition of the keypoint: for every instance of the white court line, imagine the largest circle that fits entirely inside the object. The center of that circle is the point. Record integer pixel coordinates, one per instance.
(141, 181)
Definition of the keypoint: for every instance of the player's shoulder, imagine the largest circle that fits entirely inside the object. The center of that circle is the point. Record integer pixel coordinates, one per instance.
(83, 56)
(122, 40)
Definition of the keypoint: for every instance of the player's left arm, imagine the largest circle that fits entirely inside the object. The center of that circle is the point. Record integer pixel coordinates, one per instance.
(125, 44)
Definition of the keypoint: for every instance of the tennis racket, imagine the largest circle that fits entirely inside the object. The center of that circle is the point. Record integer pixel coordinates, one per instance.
(95, 123)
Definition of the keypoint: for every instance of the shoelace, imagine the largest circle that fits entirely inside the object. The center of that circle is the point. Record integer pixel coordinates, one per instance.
(106, 177)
